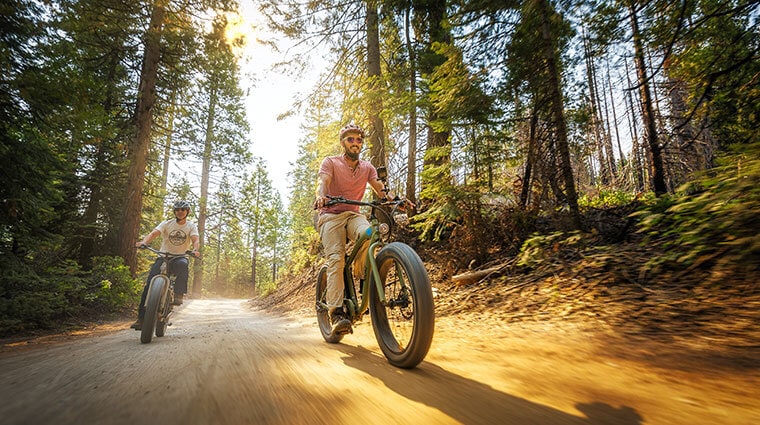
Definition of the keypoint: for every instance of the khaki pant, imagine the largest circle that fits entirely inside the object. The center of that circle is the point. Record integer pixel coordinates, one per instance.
(333, 230)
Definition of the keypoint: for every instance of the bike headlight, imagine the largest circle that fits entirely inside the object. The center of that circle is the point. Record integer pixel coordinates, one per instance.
(384, 228)
(401, 219)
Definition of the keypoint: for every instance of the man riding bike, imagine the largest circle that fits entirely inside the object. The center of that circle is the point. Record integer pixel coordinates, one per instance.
(346, 176)
(177, 235)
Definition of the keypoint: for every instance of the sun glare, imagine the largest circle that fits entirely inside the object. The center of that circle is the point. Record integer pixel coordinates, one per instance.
(239, 32)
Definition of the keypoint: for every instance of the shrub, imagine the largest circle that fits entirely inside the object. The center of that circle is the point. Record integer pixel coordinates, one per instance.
(714, 215)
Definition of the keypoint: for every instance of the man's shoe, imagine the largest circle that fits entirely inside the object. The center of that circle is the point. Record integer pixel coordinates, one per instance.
(178, 299)
(137, 325)
(340, 324)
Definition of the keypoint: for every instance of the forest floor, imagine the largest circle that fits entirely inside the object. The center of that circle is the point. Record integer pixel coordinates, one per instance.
(689, 319)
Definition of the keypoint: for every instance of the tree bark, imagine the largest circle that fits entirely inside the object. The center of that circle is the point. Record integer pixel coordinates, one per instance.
(635, 150)
(377, 130)
(438, 152)
(255, 248)
(557, 111)
(168, 145)
(138, 151)
(527, 177)
(604, 174)
(411, 160)
(657, 170)
(203, 202)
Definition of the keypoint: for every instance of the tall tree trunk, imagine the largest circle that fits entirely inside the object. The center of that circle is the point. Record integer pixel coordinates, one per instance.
(89, 230)
(615, 118)
(609, 151)
(377, 130)
(527, 177)
(604, 173)
(557, 111)
(138, 152)
(657, 169)
(274, 251)
(438, 149)
(411, 160)
(635, 149)
(168, 145)
(203, 202)
(256, 218)
(103, 168)
(216, 286)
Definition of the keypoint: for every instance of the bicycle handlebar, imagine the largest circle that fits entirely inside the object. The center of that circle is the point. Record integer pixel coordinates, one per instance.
(334, 200)
(399, 204)
(166, 254)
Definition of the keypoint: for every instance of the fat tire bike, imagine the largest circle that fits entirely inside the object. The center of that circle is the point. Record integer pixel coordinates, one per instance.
(396, 290)
(159, 302)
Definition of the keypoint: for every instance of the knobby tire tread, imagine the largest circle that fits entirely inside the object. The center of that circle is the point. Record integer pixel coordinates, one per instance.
(423, 307)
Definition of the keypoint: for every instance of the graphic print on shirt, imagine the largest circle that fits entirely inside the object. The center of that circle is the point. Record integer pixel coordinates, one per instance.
(177, 237)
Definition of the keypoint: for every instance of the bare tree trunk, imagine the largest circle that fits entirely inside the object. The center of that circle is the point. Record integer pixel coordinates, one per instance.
(657, 169)
(615, 118)
(138, 152)
(609, 151)
(274, 254)
(377, 130)
(411, 160)
(557, 111)
(635, 148)
(203, 202)
(255, 250)
(604, 172)
(527, 176)
(168, 145)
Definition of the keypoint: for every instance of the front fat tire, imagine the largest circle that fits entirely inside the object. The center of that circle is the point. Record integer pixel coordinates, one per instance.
(151, 308)
(163, 321)
(323, 315)
(404, 351)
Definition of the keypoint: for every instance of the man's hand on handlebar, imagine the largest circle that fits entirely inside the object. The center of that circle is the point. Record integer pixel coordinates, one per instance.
(320, 202)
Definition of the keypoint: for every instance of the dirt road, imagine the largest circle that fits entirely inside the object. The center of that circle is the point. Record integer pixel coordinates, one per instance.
(223, 363)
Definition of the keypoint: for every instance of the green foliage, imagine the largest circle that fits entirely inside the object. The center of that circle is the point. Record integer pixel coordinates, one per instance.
(111, 286)
(607, 198)
(541, 248)
(34, 300)
(716, 214)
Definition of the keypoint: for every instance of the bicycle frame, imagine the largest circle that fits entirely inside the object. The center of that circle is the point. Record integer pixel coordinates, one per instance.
(400, 303)
(371, 272)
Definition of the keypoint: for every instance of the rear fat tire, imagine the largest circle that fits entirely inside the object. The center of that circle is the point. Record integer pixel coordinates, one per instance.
(323, 315)
(412, 349)
(151, 309)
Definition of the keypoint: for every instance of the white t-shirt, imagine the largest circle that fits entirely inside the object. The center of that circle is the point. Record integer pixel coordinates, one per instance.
(175, 237)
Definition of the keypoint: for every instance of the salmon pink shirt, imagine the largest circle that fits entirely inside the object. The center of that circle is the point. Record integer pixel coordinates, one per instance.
(346, 182)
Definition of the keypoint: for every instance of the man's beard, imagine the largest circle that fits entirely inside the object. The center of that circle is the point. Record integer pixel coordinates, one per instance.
(352, 155)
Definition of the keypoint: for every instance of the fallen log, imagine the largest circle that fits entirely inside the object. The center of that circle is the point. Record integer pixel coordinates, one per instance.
(467, 278)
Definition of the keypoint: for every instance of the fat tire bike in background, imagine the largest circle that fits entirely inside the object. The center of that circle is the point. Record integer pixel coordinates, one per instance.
(395, 288)
(159, 302)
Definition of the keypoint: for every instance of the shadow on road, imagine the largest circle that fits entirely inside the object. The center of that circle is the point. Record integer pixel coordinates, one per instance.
(472, 402)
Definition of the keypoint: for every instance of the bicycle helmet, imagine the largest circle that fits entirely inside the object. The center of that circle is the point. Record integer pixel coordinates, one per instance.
(351, 128)
(182, 205)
